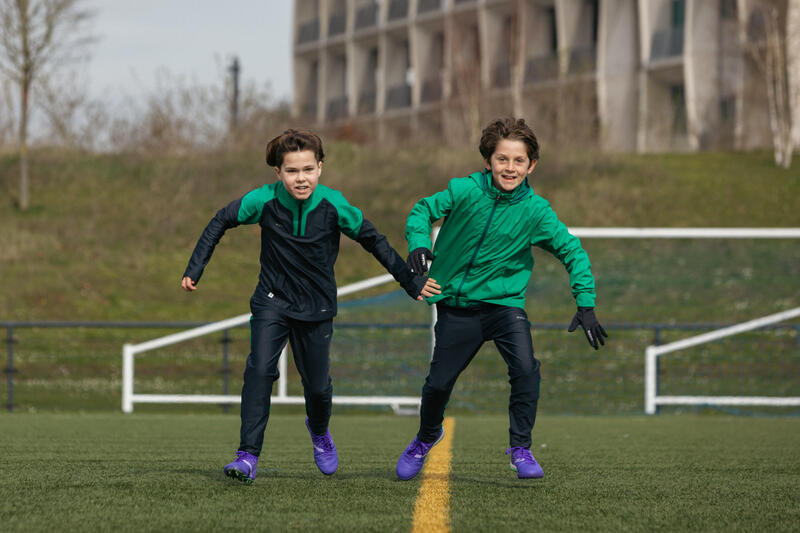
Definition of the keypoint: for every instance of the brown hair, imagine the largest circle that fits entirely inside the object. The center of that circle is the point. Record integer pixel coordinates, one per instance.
(293, 140)
(508, 128)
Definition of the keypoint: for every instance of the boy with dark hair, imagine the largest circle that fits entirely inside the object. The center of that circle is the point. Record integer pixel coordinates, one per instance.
(483, 261)
(295, 298)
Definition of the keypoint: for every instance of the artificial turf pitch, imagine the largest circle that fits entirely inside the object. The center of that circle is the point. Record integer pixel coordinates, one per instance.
(153, 472)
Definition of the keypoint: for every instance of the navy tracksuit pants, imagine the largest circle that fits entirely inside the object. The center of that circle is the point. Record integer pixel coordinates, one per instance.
(460, 332)
(310, 341)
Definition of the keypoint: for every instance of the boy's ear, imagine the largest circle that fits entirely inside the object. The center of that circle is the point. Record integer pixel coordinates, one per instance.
(277, 171)
(533, 164)
(486, 164)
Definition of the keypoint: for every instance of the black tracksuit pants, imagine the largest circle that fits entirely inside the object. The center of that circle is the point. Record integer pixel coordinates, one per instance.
(310, 341)
(459, 335)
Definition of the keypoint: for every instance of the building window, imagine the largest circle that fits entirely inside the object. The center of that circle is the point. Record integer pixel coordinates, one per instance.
(398, 9)
(727, 9)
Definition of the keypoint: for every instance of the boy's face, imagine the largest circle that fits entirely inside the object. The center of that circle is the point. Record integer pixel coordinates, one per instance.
(299, 173)
(509, 164)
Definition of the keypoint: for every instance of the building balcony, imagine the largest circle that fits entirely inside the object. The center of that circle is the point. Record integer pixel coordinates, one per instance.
(541, 68)
(308, 31)
(425, 6)
(366, 102)
(367, 16)
(398, 9)
(337, 108)
(337, 24)
(667, 43)
(398, 96)
(582, 60)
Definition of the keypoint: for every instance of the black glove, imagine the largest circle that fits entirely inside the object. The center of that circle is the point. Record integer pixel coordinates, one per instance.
(415, 285)
(417, 260)
(594, 331)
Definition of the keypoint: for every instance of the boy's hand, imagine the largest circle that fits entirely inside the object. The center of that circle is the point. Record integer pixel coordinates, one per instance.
(594, 331)
(431, 288)
(188, 285)
(418, 260)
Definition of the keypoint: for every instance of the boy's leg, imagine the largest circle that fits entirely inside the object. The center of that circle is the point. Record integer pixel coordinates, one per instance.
(458, 339)
(510, 329)
(311, 342)
(269, 330)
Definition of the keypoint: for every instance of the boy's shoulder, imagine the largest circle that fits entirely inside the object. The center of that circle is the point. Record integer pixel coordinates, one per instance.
(466, 182)
(329, 193)
(265, 192)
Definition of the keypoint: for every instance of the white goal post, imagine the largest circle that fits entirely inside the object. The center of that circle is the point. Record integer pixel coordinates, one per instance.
(129, 397)
(651, 397)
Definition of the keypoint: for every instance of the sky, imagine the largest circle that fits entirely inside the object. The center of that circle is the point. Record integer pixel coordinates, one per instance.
(191, 39)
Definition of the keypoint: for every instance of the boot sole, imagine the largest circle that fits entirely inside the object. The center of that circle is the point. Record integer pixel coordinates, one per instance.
(239, 476)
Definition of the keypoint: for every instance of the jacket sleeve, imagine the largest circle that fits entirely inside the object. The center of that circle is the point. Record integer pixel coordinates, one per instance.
(245, 210)
(424, 213)
(552, 235)
(353, 224)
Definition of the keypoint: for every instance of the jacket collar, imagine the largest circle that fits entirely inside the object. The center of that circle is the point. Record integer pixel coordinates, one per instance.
(517, 195)
(289, 201)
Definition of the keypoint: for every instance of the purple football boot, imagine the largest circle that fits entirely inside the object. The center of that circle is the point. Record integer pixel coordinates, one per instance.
(324, 451)
(413, 457)
(243, 467)
(523, 463)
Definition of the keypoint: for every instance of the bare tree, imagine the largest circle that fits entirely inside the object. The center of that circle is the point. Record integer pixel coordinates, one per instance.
(793, 64)
(36, 38)
(767, 44)
(467, 92)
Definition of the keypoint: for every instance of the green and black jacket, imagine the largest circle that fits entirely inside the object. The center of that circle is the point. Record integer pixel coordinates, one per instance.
(483, 251)
(299, 246)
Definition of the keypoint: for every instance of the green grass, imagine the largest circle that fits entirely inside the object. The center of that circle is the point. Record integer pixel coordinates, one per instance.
(148, 472)
(108, 236)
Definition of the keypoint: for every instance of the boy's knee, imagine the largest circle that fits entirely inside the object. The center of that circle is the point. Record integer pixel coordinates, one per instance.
(319, 392)
(526, 368)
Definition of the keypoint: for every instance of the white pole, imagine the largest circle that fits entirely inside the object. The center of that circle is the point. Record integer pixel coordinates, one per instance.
(650, 380)
(282, 364)
(727, 332)
(127, 378)
(686, 233)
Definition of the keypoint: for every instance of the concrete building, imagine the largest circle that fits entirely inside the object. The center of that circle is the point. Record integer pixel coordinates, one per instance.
(625, 75)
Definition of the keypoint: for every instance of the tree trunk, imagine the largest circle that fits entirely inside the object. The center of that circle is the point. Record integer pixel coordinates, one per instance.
(24, 201)
(793, 66)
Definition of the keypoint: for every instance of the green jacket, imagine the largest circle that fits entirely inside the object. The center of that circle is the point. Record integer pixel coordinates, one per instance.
(483, 251)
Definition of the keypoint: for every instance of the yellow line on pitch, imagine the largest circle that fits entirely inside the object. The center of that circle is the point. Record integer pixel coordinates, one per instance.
(432, 508)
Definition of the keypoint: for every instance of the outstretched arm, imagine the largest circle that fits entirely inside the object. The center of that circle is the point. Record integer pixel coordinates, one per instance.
(378, 245)
(553, 236)
(245, 210)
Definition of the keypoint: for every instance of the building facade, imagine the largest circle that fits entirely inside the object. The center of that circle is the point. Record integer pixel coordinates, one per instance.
(624, 75)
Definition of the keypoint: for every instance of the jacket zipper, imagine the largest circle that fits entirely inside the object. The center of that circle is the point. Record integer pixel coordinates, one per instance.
(477, 248)
(299, 218)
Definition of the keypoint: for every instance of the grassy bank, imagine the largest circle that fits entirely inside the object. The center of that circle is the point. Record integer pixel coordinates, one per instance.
(108, 236)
